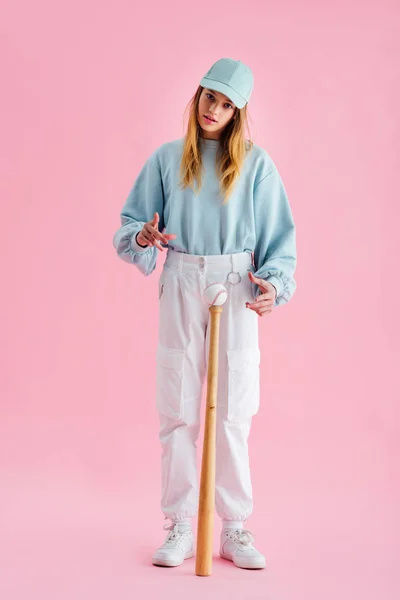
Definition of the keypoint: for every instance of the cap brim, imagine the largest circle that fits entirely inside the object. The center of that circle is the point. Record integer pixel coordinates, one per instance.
(213, 84)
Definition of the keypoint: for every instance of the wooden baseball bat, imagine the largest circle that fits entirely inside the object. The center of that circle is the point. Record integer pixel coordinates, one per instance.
(205, 525)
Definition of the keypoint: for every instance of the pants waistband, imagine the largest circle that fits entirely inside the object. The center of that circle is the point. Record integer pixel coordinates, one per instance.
(235, 262)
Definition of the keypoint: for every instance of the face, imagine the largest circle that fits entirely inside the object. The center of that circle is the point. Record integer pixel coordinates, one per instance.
(217, 106)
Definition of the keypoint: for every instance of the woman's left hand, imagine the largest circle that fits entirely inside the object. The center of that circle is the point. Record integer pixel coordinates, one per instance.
(265, 301)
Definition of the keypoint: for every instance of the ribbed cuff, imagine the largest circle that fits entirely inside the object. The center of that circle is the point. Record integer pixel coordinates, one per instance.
(276, 282)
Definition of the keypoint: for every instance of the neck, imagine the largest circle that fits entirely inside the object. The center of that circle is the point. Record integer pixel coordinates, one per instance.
(204, 137)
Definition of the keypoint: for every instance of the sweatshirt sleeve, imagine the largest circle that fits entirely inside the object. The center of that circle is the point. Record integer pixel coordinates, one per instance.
(275, 254)
(144, 199)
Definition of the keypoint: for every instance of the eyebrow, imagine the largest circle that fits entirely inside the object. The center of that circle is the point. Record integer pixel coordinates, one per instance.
(215, 93)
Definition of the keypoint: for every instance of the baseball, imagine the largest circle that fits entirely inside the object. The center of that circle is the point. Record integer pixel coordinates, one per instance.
(215, 294)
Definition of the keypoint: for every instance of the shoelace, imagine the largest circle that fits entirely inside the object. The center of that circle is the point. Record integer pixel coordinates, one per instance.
(241, 536)
(175, 533)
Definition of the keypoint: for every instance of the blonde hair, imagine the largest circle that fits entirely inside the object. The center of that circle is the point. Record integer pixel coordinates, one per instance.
(231, 151)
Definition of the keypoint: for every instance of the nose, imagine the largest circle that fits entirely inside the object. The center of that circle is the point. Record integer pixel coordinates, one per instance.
(213, 111)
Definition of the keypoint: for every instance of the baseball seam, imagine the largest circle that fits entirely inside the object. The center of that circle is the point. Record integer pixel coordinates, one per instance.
(217, 295)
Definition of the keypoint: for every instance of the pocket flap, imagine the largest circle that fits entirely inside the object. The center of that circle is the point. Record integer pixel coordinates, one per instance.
(243, 358)
(170, 358)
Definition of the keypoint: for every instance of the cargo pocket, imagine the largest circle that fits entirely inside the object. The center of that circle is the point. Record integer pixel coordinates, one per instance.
(169, 393)
(243, 383)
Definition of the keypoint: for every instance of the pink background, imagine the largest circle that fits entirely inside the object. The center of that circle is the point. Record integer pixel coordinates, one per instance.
(89, 90)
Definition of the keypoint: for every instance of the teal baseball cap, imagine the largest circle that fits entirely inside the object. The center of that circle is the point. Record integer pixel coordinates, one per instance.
(232, 78)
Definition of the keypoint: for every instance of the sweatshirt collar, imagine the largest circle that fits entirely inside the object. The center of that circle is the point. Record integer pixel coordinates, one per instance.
(207, 143)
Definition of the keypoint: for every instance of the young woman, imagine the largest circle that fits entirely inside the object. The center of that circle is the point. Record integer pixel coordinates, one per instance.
(235, 226)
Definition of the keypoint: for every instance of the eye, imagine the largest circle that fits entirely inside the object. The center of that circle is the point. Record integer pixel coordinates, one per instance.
(228, 103)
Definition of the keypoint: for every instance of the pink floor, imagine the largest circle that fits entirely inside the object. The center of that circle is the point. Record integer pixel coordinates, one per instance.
(65, 536)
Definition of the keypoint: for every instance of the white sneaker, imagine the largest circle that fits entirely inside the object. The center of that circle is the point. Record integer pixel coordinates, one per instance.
(236, 545)
(178, 546)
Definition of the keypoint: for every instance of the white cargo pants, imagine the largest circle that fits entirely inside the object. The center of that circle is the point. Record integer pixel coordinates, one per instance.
(181, 366)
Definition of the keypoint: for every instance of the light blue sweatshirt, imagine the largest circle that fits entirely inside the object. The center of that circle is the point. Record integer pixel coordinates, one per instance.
(257, 217)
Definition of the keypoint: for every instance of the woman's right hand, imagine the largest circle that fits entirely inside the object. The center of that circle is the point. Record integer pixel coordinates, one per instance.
(149, 235)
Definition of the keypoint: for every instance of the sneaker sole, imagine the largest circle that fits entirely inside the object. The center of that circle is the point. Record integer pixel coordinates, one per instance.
(261, 565)
(165, 562)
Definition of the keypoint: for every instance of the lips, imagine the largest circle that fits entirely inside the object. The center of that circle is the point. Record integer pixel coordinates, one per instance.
(211, 119)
